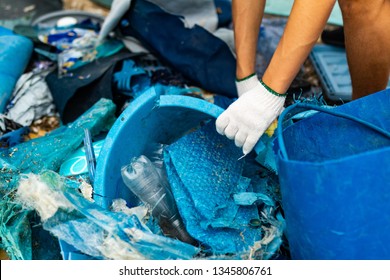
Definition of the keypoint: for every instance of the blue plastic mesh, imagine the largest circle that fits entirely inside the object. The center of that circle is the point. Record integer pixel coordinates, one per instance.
(34, 156)
(204, 173)
(100, 233)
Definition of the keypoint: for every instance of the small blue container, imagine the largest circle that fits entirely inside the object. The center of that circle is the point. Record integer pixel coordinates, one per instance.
(334, 170)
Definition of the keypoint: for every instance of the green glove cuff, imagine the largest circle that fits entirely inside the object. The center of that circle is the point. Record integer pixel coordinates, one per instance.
(270, 90)
(245, 78)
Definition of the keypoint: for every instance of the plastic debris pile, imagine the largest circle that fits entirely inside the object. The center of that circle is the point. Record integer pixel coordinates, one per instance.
(72, 77)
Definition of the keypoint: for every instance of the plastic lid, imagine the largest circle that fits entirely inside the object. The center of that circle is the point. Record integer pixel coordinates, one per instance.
(66, 21)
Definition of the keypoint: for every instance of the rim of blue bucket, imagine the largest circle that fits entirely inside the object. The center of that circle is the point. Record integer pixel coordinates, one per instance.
(282, 152)
(339, 160)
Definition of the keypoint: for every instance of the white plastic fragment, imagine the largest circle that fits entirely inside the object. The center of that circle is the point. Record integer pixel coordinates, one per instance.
(35, 194)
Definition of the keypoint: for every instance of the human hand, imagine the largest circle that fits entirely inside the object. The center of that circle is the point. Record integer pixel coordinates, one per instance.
(246, 119)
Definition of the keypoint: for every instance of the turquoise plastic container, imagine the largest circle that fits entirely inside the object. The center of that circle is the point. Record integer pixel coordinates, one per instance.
(15, 53)
(334, 170)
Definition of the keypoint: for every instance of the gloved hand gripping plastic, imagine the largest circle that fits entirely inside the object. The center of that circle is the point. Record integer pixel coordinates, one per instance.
(246, 119)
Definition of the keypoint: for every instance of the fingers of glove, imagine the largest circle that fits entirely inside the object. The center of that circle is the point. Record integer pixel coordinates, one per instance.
(221, 123)
(240, 138)
(231, 130)
(118, 9)
(250, 142)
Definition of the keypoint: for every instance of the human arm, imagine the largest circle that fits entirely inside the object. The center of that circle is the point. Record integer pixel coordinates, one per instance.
(247, 16)
(304, 26)
(260, 103)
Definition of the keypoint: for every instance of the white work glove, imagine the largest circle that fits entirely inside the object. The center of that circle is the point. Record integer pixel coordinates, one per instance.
(117, 11)
(246, 84)
(246, 119)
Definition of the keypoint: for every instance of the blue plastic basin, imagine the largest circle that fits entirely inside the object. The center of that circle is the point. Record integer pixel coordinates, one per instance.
(151, 118)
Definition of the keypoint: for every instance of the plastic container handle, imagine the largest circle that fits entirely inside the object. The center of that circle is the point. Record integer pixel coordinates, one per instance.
(282, 147)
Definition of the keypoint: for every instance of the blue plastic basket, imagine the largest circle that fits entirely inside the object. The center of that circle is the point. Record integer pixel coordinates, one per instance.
(334, 170)
(151, 118)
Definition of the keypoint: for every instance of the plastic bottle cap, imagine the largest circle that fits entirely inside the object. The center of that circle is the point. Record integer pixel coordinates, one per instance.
(66, 21)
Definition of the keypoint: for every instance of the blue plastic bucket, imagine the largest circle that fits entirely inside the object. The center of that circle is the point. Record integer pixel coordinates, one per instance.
(151, 118)
(334, 170)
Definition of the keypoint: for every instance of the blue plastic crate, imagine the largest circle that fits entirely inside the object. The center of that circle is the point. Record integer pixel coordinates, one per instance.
(331, 65)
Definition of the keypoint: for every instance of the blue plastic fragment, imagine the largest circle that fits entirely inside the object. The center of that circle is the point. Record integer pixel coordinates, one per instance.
(131, 79)
(250, 198)
(89, 154)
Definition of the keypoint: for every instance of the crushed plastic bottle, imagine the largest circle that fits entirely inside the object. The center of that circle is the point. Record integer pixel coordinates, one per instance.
(143, 179)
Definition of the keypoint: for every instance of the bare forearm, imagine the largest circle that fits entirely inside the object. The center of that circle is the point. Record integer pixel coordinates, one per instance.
(247, 16)
(304, 26)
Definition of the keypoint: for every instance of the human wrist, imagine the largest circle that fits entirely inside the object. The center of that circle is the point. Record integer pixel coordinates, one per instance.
(247, 83)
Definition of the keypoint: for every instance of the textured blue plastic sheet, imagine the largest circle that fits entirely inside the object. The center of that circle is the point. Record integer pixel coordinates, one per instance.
(204, 173)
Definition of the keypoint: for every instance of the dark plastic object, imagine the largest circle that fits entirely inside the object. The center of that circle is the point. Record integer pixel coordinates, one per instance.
(334, 37)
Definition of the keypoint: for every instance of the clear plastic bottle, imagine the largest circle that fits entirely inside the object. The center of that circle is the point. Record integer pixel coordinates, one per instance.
(143, 179)
(155, 153)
